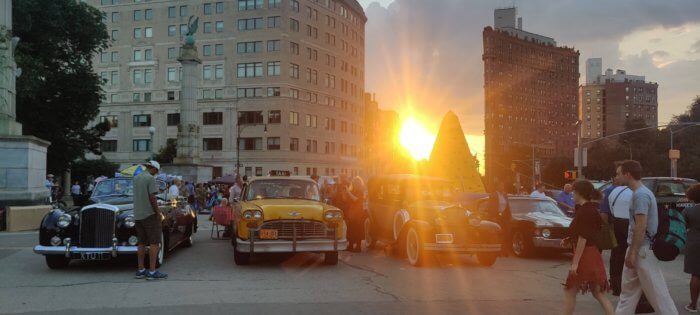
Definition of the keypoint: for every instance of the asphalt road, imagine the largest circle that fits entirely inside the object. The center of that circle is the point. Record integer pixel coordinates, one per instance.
(204, 280)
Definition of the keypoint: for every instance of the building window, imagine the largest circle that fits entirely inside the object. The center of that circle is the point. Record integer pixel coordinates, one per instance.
(294, 4)
(172, 75)
(219, 26)
(148, 54)
(172, 53)
(171, 12)
(213, 118)
(294, 93)
(173, 119)
(294, 118)
(249, 47)
(219, 72)
(172, 30)
(137, 15)
(294, 25)
(206, 94)
(115, 56)
(250, 144)
(219, 49)
(219, 7)
(206, 50)
(138, 33)
(249, 92)
(273, 45)
(207, 27)
(112, 120)
(294, 144)
(273, 92)
(294, 71)
(249, 171)
(138, 55)
(148, 14)
(142, 145)
(311, 121)
(273, 143)
(207, 9)
(273, 69)
(212, 144)
(115, 34)
(171, 95)
(218, 93)
(274, 117)
(250, 70)
(207, 72)
(294, 48)
(258, 171)
(250, 24)
(142, 120)
(137, 76)
(245, 5)
(108, 146)
(183, 29)
(250, 118)
(183, 10)
(148, 76)
(273, 4)
(115, 16)
(274, 21)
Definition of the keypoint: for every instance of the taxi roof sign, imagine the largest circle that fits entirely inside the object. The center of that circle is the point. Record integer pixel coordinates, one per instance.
(279, 173)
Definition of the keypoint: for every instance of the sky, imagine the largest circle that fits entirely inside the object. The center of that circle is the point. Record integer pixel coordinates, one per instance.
(423, 58)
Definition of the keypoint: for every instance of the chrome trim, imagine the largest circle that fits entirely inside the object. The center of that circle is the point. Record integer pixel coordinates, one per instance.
(252, 242)
(540, 241)
(102, 206)
(114, 247)
(67, 251)
(286, 246)
(459, 248)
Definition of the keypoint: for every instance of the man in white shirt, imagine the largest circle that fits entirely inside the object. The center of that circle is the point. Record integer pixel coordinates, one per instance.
(235, 191)
(174, 191)
(539, 192)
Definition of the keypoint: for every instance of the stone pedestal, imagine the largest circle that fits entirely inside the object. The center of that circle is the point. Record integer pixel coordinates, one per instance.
(194, 173)
(22, 170)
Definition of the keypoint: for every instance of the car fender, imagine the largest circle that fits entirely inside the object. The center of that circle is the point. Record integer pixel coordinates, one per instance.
(48, 227)
(401, 217)
(488, 226)
(425, 230)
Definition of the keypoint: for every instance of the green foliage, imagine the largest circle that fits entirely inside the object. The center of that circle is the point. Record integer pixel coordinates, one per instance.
(687, 141)
(167, 153)
(83, 169)
(58, 93)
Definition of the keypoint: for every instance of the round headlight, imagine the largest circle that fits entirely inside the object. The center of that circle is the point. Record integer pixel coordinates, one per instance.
(257, 215)
(129, 221)
(64, 221)
(55, 241)
(133, 240)
(329, 215)
(247, 215)
(338, 215)
(546, 233)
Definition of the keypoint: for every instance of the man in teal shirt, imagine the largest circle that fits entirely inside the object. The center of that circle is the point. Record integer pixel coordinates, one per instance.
(149, 227)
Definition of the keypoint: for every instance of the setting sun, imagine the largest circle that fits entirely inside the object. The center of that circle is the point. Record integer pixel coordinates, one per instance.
(417, 140)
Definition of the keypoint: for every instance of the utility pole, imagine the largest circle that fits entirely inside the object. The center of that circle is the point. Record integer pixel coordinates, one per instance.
(579, 151)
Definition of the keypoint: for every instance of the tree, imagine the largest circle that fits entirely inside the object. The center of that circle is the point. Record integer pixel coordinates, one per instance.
(167, 153)
(82, 169)
(58, 93)
(686, 141)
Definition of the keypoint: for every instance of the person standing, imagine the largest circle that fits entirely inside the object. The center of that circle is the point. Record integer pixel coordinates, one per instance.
(235, 191)
(174, 190)
(355, 214)
(565, 200)
(499, 212)
(617, 203)
(641, 273)
(539, 191)
(149, 221)
(692, 246)
(75, 192)
(587, 272)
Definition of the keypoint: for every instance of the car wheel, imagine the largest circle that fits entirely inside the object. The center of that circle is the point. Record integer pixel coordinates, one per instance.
(190, 236)
(57, 261)
(522, 247)
(369, 238)
(415, 251)
(240, 258)
(330, 258)
(397, 225)
(486, 259)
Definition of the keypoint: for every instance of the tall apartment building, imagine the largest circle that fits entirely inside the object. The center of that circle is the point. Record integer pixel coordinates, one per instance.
(531, 96)
(282, 82)
(609, 100)
(380, 154)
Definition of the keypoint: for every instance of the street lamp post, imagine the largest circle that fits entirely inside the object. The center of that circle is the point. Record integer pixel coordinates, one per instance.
(579, 149)
(152, 131)
(240, 128)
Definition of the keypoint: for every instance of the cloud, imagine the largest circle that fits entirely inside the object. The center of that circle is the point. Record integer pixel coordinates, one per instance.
(402, 38)
(695, 48)
(655, 40)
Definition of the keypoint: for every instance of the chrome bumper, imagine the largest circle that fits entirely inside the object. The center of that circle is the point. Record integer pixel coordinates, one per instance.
(290, 246)
(474, 248)
(544, 242)
(67, 251)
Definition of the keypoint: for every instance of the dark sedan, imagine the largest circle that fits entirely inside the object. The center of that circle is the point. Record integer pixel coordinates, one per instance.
(104, 228)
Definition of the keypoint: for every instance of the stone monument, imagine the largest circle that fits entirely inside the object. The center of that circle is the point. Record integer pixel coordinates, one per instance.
(22, 158)
(187, 161)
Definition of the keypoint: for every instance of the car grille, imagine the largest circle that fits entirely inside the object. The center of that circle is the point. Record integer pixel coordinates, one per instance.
(303, 229)
(96, 227)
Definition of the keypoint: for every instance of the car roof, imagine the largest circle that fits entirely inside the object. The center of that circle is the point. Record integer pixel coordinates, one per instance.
(671, 178)
(296, 177)
(402, 177)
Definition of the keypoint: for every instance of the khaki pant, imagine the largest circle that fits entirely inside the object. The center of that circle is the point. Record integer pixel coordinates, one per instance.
(645, 278)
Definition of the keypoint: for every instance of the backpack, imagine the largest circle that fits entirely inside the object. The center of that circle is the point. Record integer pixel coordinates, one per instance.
(670, 236)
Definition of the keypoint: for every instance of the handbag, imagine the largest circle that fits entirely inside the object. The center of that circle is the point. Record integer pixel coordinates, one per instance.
(605, 238)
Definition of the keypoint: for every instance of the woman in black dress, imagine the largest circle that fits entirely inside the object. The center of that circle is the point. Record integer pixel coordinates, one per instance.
(692, 246)
(587, 272)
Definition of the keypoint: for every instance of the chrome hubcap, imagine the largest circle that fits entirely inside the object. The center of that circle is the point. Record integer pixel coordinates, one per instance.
(412, 246)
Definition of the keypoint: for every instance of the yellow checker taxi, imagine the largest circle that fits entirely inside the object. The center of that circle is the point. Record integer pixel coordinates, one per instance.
(286, 215)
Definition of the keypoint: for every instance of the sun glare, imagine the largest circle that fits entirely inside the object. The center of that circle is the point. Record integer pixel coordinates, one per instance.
(417, 140)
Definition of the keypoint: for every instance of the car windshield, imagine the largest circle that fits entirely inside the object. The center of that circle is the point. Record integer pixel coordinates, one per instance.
(114, 187)
(282, 189)
(430, 190)
(676, 187)
(524, 206)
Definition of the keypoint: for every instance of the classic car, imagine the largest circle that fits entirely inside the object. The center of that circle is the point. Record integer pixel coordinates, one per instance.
(538, 223)
(285, 215)
(104, 228)
(669, 191)
(420, 215)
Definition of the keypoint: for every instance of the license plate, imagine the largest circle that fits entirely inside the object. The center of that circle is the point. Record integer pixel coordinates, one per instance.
(268, 234)
(444, 238)
(94, 256)
(685, 205)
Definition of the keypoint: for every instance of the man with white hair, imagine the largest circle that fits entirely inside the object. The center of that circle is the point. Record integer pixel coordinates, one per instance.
(174, 191)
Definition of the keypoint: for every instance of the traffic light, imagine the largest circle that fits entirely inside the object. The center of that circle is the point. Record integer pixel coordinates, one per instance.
(570, 175)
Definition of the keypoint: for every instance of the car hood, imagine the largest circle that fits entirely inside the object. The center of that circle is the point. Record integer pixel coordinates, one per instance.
(541, 219)
(288, 209)
(121, 202)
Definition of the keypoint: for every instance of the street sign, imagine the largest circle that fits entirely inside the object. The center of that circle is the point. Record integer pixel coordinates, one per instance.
(585, 157)
(674, 154)
(537, 168)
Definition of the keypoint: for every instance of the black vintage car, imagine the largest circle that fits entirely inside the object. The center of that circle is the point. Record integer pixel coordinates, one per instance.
(104, 228)
(669, 191)
(538, 223)
(419, 215)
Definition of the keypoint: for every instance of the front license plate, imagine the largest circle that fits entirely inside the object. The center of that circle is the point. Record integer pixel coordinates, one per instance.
(94, 256)
(444, 238)
(268, 234)
(685, 205)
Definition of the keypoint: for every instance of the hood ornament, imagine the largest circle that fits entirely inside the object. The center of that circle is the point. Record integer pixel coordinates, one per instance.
(294, 213)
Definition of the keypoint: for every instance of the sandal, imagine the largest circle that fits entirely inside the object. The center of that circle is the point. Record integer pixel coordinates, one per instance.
(691, 310)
